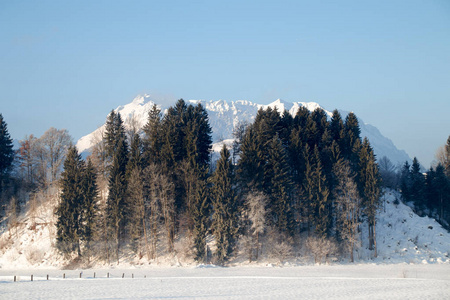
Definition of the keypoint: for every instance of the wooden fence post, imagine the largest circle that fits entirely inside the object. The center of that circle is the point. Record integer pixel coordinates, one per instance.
(31, 277)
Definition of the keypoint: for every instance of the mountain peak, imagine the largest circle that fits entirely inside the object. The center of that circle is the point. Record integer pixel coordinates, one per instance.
(141, 99)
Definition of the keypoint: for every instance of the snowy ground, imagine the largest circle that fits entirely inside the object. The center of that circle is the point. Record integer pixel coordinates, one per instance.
(413, 263)
(369, 281)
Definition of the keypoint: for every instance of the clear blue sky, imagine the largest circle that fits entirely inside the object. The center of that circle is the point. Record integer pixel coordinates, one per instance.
(66, 64)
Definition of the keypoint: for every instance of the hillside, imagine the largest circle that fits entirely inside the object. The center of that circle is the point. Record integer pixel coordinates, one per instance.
(402, 237)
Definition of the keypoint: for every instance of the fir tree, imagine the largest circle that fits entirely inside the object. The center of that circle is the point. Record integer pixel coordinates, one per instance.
(351, 137)
(200, 216)
(68, 225)
(337, 128)
(251, 165)
(417, 189)
(135, 160)
(116, 202)
(320, 200)
(6, 155)
(441, 186)
(152, 137)
(278, 186)
(136, 209)
(89, 208)
(405, 182)
(370, 189)
(225, 220)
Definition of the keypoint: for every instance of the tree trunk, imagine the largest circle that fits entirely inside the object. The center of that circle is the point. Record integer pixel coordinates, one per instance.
(146, 239)
(374, 238)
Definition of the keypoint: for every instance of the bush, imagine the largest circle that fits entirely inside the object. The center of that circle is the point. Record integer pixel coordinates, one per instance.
(321, 248)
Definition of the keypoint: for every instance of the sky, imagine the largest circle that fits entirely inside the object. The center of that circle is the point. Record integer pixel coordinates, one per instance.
(67, 64)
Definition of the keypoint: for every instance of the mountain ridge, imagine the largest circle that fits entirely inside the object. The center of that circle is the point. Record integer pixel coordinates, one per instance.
(225, 115)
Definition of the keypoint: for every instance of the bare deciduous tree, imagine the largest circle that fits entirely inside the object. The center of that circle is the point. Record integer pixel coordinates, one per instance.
(348, 206)
(256, 214)
(51, 150)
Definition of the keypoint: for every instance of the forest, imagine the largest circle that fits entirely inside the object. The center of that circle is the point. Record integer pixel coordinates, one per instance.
(286, 182)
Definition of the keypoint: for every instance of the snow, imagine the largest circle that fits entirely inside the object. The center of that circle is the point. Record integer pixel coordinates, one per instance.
(413, 262)
(319, 282)
(225, 115)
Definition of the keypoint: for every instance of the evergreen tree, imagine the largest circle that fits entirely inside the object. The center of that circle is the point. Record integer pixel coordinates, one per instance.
(225, 214)
(337, 128)
(351, 139)
(405, 182)
(116, 202)
(251, 165)
(135, 161)
(6, 155)
(136, 209)
(370, 189)
(417, 189)
(68, 225)
(200, 216)
(441, 185)
(89, 209)
(114, 133)
(278, 186)
(116, 148)
(447, 158)
(320, 200)
(152, 136)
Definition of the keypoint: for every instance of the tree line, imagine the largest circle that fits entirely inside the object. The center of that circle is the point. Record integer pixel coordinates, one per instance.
(288, 177)
(428, 192)
(286, 182)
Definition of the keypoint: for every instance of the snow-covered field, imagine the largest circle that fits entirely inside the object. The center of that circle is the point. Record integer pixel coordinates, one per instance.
(369, 281)
(413, 263)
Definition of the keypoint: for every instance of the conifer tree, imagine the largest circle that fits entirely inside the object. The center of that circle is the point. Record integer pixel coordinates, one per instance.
(136, 209)
(370, 189)
(351, 138)
(405, 182)
(441, 186)
(89, 208)
(200, 215)
(6, 155)
(337, 128)
(278, 186)
(135, 161)
(251, 165)
(417, 189)
(117, 152)
(116, 202)
(68, 225)
(152, 137)
(320, 200)
(225, 214)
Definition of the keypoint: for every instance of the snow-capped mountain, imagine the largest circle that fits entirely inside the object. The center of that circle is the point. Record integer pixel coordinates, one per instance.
(225, 115)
